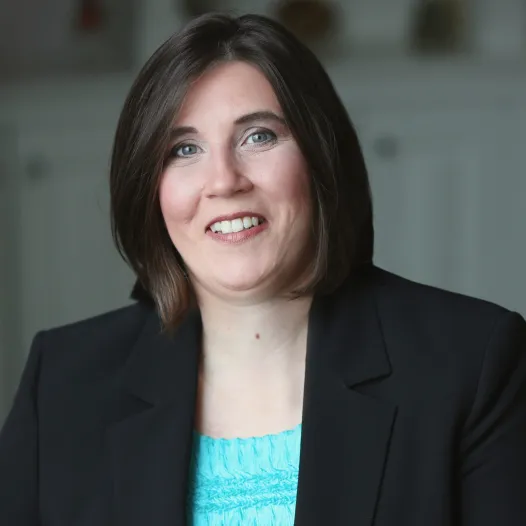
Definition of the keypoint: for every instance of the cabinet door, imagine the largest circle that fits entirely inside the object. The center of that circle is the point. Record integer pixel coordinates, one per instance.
(9, 280)
(70, 267)
(448, 193)
(499, 217)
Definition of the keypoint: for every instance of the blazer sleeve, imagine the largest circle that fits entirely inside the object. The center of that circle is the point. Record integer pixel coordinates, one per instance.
(19, 449)
(493, 485)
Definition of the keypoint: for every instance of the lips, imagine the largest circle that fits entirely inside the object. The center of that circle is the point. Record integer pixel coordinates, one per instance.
(237, 222)
(236, 225)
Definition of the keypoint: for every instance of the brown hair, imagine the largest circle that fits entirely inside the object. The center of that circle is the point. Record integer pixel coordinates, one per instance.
(342, 206)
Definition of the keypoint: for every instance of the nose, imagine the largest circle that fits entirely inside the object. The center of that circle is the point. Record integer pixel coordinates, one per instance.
(225, 176)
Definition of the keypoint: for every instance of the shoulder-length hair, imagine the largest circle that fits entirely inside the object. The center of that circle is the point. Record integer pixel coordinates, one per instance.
(341, 200)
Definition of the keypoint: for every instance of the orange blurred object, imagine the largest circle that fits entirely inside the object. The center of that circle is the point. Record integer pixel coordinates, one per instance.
(310, 20)
(91, 15)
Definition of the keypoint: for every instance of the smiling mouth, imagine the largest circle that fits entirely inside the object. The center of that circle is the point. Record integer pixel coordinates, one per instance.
(236, 225)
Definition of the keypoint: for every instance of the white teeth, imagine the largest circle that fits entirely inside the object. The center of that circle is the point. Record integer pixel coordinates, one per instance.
(236, 225)
(226, 227)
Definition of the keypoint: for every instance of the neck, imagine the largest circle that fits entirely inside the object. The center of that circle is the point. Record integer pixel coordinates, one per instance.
(253, 366)
(267, 336)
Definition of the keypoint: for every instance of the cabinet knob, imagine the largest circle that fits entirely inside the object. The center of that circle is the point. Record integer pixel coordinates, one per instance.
(386, 147)
(38, 167)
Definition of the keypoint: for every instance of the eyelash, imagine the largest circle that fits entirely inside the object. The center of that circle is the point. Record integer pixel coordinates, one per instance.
(173, 155)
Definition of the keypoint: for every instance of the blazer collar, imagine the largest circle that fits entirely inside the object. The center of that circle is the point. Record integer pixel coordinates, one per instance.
(347, 326)
(345, 434)
(150, 445)
(162, 367)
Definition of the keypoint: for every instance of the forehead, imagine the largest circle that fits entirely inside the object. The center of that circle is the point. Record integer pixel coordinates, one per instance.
(228, 89)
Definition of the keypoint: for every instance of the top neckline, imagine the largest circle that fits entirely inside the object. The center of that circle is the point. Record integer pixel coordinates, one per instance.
(268, 437)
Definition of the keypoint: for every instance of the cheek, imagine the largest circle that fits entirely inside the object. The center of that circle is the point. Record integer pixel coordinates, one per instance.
(287, 178)
(178, 200)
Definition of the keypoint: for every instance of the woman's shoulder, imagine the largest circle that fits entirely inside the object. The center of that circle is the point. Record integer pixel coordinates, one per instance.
(103, 339)
(422, 320)
(403, 296)
(117, 322)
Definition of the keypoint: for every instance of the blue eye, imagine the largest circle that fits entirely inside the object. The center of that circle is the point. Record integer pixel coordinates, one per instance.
(261, 137)
(184, 150)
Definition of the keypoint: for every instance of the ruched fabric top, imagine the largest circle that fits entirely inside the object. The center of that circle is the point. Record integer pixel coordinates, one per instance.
(244, 481)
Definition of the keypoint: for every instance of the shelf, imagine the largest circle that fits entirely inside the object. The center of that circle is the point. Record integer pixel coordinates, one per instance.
(462, 77)
(53, 42)
(92, 74)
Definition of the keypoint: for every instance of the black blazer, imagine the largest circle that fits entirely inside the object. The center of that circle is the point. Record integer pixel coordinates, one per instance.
(414, 415)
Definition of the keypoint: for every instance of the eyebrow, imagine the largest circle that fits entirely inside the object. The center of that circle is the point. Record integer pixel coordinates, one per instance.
(256, 116)
(260, 116)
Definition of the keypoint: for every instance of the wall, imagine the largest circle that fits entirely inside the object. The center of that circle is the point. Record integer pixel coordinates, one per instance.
(469, 111)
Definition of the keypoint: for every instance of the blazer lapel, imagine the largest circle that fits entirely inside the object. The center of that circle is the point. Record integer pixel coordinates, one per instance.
(345, 433)
(150, 447)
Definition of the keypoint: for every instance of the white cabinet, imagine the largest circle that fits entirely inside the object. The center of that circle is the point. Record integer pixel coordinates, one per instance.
(449, 192)
(70, 267)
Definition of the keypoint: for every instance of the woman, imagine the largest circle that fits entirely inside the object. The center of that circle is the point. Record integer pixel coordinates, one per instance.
(268, 373)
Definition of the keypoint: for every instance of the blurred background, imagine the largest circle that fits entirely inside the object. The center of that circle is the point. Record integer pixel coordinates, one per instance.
(436, 89)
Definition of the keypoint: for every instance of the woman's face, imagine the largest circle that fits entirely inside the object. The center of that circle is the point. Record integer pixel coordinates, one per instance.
(234, 192)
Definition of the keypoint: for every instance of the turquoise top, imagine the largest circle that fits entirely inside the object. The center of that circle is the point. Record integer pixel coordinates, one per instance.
(244, 481)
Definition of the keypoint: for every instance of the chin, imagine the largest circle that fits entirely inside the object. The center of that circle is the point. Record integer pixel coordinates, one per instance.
(240, 285)
(246, 285)
(251, 280)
